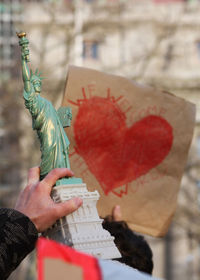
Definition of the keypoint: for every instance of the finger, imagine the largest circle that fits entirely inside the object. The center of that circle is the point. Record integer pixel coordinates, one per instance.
(116, 213)
(56, 174)
(33, 175)
(66, 208)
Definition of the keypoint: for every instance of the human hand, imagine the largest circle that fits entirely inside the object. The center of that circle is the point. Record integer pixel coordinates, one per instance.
(36, 203)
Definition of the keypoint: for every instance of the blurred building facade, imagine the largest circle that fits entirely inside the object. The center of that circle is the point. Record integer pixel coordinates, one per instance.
(9, 107)
(155, 42)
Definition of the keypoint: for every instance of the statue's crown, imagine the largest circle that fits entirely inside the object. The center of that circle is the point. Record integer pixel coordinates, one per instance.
(36, 75)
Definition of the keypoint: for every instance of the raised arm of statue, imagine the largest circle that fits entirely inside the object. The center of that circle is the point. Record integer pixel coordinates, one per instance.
(48, 123)
(23, 42)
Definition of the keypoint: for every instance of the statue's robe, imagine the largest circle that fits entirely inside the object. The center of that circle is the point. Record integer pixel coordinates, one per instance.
(53, 139)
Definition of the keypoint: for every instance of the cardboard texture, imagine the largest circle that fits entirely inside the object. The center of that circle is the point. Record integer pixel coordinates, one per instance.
(130, 142)
(57, 269)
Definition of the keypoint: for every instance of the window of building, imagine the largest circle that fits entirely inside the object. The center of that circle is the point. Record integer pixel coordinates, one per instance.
(90, 49)
(198, 48)
(10, 16)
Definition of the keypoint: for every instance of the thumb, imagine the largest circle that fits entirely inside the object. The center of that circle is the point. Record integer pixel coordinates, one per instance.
(67, 207)
(116, 213)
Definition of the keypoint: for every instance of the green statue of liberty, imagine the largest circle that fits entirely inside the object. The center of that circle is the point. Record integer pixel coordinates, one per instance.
(48, 122)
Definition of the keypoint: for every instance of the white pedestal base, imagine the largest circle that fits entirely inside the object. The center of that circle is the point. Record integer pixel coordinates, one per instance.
(82, 229)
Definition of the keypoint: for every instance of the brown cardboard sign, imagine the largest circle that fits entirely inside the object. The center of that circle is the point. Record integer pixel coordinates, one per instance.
(59, 269)
(130, 142)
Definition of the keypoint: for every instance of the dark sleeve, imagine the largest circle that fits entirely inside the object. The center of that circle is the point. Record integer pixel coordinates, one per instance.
(18, 236)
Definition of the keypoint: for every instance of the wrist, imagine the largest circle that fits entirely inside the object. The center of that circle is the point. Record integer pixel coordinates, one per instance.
(21, 213)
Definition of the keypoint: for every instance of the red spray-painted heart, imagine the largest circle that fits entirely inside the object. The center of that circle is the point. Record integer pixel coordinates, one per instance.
(114, 153)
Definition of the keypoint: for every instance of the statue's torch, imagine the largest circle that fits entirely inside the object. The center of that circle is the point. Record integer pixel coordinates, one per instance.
(23, 42)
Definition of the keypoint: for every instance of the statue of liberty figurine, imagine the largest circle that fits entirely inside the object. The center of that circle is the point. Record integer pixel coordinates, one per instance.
(48, 122)
(81, 229)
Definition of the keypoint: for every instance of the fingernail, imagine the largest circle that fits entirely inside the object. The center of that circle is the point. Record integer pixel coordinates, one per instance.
(78, 201)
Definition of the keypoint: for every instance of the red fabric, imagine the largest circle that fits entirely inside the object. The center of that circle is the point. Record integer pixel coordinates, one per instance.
(50, 249)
